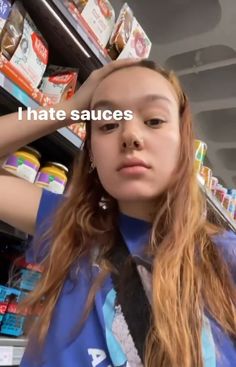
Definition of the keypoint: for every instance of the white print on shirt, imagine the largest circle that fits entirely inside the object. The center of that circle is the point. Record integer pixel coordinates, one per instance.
(3, 7)
(98, 356)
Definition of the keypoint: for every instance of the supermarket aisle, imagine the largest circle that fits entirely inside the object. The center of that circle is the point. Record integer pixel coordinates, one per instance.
(55, 46)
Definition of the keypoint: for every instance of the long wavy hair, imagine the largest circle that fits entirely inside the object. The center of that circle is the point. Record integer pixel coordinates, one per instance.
(189, 276)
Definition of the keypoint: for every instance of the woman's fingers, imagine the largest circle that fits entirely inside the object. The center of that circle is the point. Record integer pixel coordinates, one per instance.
(82, 99)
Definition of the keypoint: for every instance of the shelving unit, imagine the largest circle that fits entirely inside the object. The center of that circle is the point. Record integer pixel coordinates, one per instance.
(13, 232)
(77, 48)
(67, 36)
(100, 54)
(85, 54)
(18, 98)
(11, 351)
(216, 206)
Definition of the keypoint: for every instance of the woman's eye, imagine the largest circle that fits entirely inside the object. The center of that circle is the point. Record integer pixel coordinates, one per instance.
(154, 122)
(108, 127)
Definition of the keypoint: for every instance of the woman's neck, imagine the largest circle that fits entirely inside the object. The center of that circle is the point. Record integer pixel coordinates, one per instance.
(139, 210)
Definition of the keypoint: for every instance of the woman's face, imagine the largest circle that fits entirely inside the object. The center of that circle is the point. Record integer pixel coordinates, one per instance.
(150, 142)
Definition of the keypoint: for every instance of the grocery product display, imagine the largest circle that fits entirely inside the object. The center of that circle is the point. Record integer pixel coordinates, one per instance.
(25, 163)
(53, 177)
(98, 18)
(128, 38)
(123, 39)
(23, 45)
(79, 129)
(59, 83)
(37, 71)
(4, 12)
(225, 197)
(13, 320)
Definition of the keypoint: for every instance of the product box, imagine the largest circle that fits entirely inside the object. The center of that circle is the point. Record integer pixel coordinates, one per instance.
(79, 129)
(12, 325)
(28, 279)
(7, 295)
(23, 45)
(22, 263)
(100, 17)
(96, 16)
(5, 7)
(21, 84)
(59, 83)
(11, 319)
(128, 39)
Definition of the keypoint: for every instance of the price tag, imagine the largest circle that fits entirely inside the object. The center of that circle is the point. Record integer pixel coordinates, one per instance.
(6, 356)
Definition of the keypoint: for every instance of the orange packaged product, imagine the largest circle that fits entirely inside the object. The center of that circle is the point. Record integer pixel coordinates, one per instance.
(221, 192)
(59, 83)
(98, 17)
(128, 38)
(79, 129)
(206, 172)
(23, 45)
(214, 182)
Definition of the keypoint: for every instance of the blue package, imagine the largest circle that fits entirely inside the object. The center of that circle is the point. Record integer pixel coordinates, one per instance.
(12, 324)
(29, 279)
(9, 294)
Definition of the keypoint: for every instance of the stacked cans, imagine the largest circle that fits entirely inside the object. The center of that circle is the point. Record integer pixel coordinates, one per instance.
(227, 197)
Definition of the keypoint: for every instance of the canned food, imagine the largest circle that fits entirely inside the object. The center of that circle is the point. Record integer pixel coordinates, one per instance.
(227, 201)
(214, 182)
(200, 150)
(232, 209)
(232, 192)
(24, 163)
(197, 166)
(221, 192)
(206, 172)
(53, 177)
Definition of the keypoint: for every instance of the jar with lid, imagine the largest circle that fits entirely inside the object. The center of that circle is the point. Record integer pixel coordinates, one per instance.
(24, 163)
(53, 177)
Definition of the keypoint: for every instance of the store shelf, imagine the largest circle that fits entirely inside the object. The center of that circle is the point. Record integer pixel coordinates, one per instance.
(13, 232)
(67, 36)
(70, 136)
(98, 52)
(11, 350)
(216, 205)
(22, 99)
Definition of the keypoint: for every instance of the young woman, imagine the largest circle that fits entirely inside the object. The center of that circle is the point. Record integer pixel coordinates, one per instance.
(142, 171)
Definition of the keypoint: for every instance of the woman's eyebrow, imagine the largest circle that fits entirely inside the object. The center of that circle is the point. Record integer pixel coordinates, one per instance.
(155, 97)
(104, 103)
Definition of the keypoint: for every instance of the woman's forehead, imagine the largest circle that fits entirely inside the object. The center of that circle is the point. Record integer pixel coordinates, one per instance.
(130, 85)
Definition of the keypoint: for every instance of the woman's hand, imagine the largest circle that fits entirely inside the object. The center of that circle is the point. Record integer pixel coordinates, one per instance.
(82, 98)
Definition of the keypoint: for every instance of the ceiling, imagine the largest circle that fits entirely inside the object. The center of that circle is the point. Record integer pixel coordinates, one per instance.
(197, 39)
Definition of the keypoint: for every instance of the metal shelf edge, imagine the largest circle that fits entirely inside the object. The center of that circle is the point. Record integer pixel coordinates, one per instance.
(81, 32)
(27, 101)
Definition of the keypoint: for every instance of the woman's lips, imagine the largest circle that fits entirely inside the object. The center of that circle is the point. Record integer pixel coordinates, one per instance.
(133, 163)
(133, 170)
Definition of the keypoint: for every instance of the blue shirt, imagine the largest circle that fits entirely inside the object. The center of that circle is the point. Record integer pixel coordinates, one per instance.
(104, 341)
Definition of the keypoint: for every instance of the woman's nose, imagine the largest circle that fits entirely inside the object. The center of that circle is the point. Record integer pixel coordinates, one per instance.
(132, 141)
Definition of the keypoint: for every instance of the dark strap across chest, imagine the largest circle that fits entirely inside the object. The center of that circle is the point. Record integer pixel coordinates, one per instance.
(130, 294)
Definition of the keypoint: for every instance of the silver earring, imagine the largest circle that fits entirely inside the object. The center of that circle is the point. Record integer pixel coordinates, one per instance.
(92, 167)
